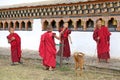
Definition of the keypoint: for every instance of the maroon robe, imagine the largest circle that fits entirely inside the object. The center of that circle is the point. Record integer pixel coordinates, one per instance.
(103, 43)
(15, 47)
(47, 49)
(64, 39)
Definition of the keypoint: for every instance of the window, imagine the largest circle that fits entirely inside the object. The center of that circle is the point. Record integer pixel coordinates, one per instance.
(17, 25)
(23, 25)
(70, 24)
(79, 25)
(45, 24)
(11, 24)
(1, 25)
(112, 24)
(29, 25)
(6, 25)
(89, 24)
(53, 23)
(61, 23)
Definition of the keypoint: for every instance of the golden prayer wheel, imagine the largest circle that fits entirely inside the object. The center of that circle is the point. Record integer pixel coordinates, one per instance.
(114, 22)
(103, 22)
(82, 22)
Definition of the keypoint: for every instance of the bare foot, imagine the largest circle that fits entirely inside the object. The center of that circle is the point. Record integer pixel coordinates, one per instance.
(51, 69)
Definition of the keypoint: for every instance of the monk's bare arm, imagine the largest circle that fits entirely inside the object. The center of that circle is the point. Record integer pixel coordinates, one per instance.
(57, 37)
(70, 39)
(63, 30)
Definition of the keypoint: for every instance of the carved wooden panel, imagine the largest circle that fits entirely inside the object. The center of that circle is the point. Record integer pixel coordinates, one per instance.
(68, 8)
(80, 12)
(69, 12)
(64, 12)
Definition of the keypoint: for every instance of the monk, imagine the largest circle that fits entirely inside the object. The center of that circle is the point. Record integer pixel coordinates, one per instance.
(47, 49)
(102, 37)
(15, 42)
(65, 37)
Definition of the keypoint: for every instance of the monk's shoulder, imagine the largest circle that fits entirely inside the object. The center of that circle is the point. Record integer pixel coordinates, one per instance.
(105, 28)
(68, 31)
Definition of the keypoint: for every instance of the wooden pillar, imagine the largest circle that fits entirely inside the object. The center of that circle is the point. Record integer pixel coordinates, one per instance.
(20, 26)
(106, 22)
(118, 25)
(94, 20)
(74, 20)
(42, 22)
(84, 24)
(14, 26)
(49, 22)
(9, 25)
(3, 25)
(74, 24)
(26, 26)
(57, 25)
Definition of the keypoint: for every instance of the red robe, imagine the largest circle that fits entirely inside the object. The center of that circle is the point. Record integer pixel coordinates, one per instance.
(15, 47)
(64, 39)
(47, 49)
(103, 43)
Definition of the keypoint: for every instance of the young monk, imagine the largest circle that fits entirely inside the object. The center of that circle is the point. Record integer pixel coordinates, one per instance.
(15, 42)
(102, 37)
(65, 37)
(47, 49)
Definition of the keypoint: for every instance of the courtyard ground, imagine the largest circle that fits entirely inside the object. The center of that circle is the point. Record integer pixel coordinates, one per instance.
(32, 69)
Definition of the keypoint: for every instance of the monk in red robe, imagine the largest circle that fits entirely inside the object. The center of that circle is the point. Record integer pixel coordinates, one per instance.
(47, 49)
(65, 37)
(102, 37)
(15, 41)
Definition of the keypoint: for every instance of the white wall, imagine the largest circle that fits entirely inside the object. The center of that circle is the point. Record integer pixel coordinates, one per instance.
(82, 41)
(29, 39)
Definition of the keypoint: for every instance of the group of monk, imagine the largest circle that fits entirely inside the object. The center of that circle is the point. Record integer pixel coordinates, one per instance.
(47, 48)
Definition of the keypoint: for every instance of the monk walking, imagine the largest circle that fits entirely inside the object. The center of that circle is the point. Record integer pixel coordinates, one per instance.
(102, 37)
(15, 42)
(47, 49)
